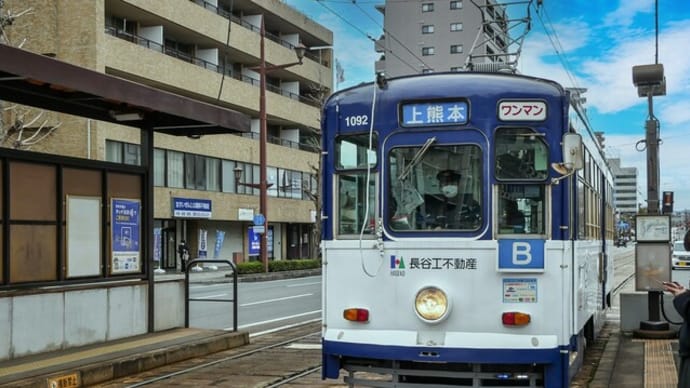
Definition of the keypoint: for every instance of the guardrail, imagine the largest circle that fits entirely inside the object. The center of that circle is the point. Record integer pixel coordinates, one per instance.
(187, 299)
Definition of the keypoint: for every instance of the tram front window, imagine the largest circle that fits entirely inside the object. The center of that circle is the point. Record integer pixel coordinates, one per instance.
(435, 188)
(521, 154)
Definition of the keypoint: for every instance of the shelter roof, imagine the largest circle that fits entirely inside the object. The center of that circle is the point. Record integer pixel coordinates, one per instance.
(44, 82)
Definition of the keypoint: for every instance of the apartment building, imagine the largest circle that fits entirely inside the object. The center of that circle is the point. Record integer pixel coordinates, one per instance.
(625, 189)
(434, 36)
(205, 187)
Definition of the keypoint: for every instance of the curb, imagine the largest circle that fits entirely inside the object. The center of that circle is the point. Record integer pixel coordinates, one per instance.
(107, 367)
(257, 277)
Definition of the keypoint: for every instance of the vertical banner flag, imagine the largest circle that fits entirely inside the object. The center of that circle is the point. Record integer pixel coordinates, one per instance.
(157, 244)
(220, 236)
(203, 243)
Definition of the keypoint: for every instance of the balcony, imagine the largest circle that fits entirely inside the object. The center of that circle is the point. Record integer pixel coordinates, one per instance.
(190, 58)
(314, 56)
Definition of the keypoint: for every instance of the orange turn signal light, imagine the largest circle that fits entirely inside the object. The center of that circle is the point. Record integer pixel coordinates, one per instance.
(356, 315)
(515, 318)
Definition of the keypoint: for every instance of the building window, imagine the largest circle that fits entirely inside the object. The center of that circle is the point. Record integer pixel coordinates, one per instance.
(428, 29)
(228, 176)
(427, 51)
(456, 26)
(131, 154)
(456, 4)
(427, 7)
(212, 174)
(456, 49)
(201, 172)
(113, 151)
(119, 152)
(175, 169)
(159, 167)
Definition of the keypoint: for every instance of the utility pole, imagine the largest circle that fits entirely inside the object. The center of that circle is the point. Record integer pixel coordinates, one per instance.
(652, 252)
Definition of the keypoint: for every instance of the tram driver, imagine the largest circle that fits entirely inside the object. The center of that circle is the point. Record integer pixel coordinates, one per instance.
(452, 210)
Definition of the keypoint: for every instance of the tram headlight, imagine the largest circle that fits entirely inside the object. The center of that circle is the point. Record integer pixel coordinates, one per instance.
(431, 304)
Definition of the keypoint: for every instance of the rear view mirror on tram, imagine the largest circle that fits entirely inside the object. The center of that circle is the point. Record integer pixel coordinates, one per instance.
(573, 157)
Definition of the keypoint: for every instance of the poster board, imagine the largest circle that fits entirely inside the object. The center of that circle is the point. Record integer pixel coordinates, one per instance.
(125, 232)
(83, 236)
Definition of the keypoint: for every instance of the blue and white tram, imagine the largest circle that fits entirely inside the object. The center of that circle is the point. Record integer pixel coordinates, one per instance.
(467, 218)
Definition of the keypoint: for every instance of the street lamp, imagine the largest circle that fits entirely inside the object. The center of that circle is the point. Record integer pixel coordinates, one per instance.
(263, 138)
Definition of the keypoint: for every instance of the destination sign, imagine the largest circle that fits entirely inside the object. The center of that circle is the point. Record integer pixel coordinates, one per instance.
(522, 110)
(434, 113)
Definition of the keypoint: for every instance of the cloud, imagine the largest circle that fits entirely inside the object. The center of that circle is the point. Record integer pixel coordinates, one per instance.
(352, 48)
(676, 113)
(625, 14)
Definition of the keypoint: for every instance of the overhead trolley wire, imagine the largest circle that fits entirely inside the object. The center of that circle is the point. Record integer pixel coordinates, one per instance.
(556, 44)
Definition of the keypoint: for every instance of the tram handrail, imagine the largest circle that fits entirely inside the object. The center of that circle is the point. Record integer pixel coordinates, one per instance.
(187, 299)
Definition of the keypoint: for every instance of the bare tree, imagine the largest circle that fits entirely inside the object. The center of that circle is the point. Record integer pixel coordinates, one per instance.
(313, 140)
(20, 127)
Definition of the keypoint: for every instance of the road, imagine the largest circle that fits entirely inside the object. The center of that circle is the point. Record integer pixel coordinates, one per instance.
(263, 306)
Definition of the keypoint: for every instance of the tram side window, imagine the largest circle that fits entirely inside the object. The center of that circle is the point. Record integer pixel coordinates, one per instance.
(435, 188)
(520, 154)
(521, 209)
(352, 151)
(356, 214)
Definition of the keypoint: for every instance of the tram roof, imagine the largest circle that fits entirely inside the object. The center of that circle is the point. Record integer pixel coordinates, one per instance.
(436, 85)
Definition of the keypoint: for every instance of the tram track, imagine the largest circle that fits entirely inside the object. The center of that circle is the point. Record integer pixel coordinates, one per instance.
(272, 360)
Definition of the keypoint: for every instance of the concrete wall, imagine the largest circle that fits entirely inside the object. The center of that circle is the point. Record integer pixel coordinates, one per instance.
(37, 323)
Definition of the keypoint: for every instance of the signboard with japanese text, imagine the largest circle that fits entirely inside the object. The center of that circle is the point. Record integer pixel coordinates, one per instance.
(520, 290)
(255, 240)
(423, 114)
(244, 214)
(400, 266)
(509, 110)
(125, 230)
(191, 208)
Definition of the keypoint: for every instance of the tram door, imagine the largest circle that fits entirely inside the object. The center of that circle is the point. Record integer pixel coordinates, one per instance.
(293, 251)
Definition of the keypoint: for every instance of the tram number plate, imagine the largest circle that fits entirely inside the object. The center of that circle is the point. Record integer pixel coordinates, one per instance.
(66, 381)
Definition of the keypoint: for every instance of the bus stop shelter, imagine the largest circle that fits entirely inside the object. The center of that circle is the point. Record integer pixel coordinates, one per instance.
(43, 82)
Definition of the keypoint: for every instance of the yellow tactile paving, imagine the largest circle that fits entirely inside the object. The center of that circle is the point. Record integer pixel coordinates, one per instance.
(659, 367)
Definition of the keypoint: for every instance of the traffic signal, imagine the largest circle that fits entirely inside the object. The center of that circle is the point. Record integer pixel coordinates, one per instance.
(667, 203)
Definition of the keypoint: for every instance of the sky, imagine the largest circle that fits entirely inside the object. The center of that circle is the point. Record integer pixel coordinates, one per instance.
(590, 44)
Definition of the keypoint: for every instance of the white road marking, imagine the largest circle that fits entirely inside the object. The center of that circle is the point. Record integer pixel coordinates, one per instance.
(278, 320)
(302, 284)
(211, 296)
(275, 300)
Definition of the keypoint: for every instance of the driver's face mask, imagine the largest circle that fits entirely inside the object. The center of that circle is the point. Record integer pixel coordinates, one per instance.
(449, 191)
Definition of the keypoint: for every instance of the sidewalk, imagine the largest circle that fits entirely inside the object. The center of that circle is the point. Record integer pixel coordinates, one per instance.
(633, 362)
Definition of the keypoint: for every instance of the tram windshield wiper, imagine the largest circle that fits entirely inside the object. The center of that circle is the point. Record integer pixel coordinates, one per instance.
(417, 158)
